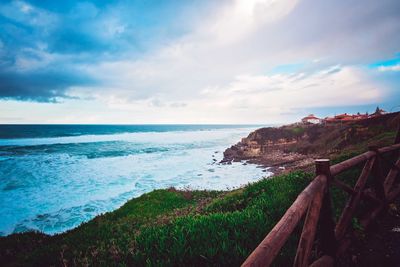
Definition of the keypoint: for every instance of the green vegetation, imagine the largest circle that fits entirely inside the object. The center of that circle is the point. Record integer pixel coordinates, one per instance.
(168, 227)
(298, 131)
(176, 228)
(203, 228)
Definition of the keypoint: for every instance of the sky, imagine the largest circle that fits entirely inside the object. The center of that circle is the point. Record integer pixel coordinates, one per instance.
(196, 61)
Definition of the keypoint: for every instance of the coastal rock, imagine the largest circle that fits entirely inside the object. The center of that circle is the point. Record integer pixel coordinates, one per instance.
(297, 144)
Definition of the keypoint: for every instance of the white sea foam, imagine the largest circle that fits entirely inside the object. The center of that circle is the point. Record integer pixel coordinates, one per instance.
(139, 137)
(53, 190)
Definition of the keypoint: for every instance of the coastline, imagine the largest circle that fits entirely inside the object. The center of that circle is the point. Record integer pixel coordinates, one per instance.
(84, 176)
(295, 146)
(158, 227)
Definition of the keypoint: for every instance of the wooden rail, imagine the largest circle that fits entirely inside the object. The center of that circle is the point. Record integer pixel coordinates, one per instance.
(315, 203)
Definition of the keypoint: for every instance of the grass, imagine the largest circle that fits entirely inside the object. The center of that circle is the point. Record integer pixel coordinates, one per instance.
(167, 228)
(298, 131)
(230, 228)
(176, 228)
(106, 237)
(379, 140)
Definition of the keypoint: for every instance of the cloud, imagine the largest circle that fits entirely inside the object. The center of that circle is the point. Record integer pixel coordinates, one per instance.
(254, 98)
(26, 14)
(257, 57)
(44, 46)
(240, 18)
(39, 85)
(389, 68)
(344, 86)
(244, 37)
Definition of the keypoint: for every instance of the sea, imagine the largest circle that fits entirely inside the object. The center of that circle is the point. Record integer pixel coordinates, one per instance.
(55, 177)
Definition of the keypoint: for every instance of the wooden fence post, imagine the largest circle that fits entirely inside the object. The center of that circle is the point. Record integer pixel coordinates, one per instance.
(328, 243)
(397, 138)
(322, 166)
(394, 170)
(378, 184)
(378, 178)
(348, 212)
(306, 242)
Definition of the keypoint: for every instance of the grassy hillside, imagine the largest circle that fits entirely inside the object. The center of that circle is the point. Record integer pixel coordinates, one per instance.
(166, 227)
(173, 228)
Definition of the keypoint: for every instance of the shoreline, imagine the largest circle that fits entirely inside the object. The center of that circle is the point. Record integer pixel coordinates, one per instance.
(265, 170)
(153, 224)
(82, 180)
(161, 225)
(295, 146)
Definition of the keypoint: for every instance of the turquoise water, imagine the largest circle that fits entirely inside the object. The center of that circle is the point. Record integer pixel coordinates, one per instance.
(54, 177)
(60, 130)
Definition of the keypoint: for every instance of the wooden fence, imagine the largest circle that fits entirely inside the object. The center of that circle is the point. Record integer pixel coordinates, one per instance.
(315, 202)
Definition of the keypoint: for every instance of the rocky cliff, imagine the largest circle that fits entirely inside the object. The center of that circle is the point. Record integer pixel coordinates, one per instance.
(298, 144)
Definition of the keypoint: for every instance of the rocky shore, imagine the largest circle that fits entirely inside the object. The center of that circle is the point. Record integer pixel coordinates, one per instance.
(295, 146)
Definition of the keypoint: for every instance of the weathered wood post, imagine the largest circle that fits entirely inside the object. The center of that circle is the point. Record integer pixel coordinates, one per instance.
(397, 138)
(378, 178)
(307, 237)
(322, 166)
(394, 170)
(344, 221)
(328, 243)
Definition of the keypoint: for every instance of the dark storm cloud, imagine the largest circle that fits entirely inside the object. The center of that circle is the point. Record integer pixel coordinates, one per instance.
(40, 86)
(43, 44)
(33, 66)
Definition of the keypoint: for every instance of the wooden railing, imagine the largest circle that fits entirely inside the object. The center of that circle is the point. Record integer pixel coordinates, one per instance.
(315, 202)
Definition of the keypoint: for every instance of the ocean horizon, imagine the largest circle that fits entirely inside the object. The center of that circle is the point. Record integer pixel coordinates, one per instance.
(55, 177)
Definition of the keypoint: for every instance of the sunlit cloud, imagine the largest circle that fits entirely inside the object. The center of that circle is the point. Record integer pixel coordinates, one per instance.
(389, 68)
(226, 61)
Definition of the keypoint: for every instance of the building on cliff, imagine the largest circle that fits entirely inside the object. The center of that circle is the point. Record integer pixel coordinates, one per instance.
(311, 119)
(353, 117)
(345, 118)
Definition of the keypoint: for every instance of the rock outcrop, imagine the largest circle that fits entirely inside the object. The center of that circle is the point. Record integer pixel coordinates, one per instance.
(297, 144)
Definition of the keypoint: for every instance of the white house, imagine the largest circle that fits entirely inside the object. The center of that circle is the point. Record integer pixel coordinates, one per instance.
(311, 119)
